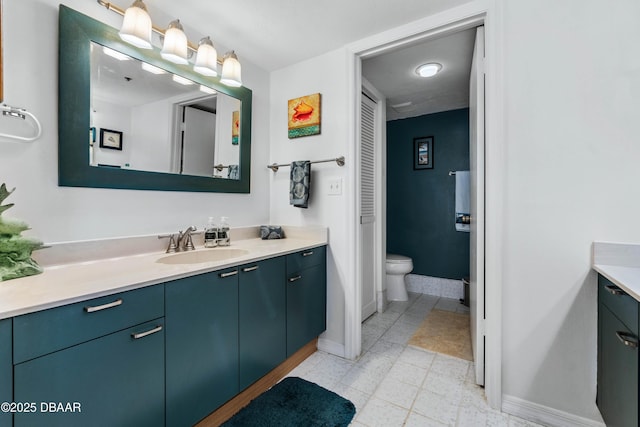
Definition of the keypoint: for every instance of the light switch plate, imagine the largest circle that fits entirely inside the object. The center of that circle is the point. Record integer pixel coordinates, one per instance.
(335, 187)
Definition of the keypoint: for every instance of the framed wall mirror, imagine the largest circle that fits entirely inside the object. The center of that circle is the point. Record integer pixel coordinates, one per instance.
(151, 124)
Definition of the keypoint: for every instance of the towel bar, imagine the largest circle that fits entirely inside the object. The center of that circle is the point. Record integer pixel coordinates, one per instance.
(339, 160)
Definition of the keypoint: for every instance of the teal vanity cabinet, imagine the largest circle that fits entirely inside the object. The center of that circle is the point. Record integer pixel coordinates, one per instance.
(6, 370)
(97, 362)
(306, 297)
(201, 345)
(262, 336)
(618, 359)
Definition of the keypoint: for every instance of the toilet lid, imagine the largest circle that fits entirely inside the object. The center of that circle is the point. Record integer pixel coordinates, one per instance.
(397, 259)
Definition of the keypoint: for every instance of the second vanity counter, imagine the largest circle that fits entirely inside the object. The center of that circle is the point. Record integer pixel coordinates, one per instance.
(79, 281)
(620, 263)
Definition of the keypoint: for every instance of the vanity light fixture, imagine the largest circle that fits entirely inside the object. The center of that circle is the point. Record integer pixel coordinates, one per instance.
(428, 70)
(206, 59)
(231, 70)
(136, 27)
(176, 46)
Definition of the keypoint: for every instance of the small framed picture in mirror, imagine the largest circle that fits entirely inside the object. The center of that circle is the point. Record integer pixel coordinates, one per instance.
(111, 139)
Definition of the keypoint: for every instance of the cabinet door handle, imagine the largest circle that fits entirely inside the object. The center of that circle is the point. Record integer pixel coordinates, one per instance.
(248, 269)
(627, 339)
(149, 332)
(229, 274)
(307, 253)
(614, 290)
(293, 279)
(115, 303)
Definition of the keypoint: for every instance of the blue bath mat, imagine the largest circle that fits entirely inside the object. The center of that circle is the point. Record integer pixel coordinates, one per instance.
(294, 402)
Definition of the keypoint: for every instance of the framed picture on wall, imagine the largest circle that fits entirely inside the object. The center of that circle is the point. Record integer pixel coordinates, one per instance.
(423, 152)
(111, 139)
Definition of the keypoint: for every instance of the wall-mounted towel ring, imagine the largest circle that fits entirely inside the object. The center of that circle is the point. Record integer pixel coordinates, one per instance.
(22, 114)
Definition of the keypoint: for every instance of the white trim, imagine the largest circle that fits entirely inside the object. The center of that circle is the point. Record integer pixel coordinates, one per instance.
(479, 12)
(331, 347)
(543, 414)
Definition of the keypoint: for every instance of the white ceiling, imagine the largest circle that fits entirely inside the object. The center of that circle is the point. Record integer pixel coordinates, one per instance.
(393, 74)
(273, 34)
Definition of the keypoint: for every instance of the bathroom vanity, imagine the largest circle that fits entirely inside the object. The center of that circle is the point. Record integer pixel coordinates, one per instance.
(618, 267)
(169, 344)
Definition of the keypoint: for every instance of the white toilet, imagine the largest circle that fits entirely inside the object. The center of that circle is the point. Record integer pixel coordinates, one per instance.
(397, 267)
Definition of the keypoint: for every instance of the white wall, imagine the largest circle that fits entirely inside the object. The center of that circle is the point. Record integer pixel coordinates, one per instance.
(62, 213)
(329, 210)
(572, 99)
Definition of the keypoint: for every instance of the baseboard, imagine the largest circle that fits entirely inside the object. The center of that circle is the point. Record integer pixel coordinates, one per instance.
(332, 347)
(544, 415)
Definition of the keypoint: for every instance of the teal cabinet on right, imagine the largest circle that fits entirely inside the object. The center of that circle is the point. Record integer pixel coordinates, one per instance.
(306, 297)
(618, 359)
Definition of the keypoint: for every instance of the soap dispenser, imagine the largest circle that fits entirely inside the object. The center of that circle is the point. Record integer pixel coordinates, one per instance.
(224, 238)
(211, 234)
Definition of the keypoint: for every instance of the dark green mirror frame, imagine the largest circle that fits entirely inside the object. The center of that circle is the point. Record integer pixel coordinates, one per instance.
(76, 31)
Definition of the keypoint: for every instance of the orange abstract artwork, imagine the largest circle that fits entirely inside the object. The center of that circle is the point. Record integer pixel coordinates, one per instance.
(304, 116)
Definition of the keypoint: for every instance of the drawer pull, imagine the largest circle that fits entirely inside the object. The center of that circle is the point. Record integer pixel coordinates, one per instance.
(229, 274)
(627, 339)
(293, 279)
(248, 269)
(614, 290)
(307, 253)
(144, 334)
(103, 306)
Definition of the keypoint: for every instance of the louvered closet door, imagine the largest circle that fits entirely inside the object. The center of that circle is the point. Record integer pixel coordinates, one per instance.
(367, 199)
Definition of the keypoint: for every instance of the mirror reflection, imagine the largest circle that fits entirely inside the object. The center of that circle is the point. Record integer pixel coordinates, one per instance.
(145, 118)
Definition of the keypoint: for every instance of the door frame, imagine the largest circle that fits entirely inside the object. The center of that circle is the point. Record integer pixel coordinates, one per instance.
(469, 15)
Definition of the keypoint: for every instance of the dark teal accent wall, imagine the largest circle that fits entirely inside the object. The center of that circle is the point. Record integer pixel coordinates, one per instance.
(421, 203)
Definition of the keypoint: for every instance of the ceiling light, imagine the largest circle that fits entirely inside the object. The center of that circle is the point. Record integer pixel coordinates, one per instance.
(152, 68)
(136, 27)
(207, 58)
(401, 105)
(428, 70)
(181, 80)
(174, 48)
(231, 70)
(115, 54)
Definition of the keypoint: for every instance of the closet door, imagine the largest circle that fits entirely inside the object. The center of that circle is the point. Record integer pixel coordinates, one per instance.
(367, 205)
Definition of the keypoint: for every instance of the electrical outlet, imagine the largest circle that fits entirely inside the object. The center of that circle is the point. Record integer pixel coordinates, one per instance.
(335, 187)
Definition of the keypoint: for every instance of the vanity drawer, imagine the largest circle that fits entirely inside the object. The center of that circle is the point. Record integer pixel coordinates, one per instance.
(304, 259)
(620, 303)
(43, 332)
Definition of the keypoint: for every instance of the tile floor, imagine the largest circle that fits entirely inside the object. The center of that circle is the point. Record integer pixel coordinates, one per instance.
(393, 384)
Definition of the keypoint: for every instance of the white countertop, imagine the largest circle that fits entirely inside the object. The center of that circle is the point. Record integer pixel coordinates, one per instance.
(620, 263)
(73, 282)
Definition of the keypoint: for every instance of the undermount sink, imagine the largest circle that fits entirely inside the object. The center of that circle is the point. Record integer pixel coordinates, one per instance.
(200, 256)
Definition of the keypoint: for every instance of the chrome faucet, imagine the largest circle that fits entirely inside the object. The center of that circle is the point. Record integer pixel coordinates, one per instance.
(180, 242)
(184, 241)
